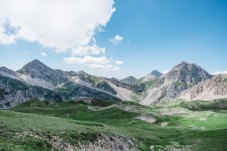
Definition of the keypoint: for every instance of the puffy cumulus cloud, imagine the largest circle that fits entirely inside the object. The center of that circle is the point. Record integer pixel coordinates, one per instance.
(119, 62)
(59, 24)
(8, 32)
(219, 72)
(117, 39)
(88, 49)
(103, 67)
(6, 39)
(87, 60)
(66, 26)
(43, 54)
(100, 62)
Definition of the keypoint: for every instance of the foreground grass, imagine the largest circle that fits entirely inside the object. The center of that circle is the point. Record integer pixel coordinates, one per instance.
(35, 124)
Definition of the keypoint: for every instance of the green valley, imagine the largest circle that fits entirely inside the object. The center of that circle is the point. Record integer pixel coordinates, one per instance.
(108, 125)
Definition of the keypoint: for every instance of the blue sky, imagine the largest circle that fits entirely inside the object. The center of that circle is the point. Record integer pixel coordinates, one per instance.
(152, 34)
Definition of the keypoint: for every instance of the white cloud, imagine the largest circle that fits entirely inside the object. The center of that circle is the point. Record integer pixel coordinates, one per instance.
(219, 72)
(66, 26)
(117, 39)
(88, 49)
(6, 38)
(96, 50)
(59, 24)
(87, 60)
(43, 54)
(92, 62)
(103, 67)
(119, 62)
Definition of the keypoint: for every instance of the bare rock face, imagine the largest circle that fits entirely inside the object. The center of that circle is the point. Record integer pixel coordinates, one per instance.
(179, 79)
(9, 73)
(184, 76)
(210, 89)
(36, 79)
(13, 92)
(137, 88)
(37, 70)
(125, 91)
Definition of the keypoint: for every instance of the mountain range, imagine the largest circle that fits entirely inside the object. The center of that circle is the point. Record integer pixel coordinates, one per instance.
(36, 80)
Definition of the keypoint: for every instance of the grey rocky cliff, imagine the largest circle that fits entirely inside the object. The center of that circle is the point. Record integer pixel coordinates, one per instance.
(35, 79)
(215, 88)
(13, 92)
(37, 70)
(156, 74)
(184, 76)
(179, 79)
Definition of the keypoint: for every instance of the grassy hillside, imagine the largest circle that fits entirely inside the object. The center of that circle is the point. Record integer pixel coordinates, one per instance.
(37, 125)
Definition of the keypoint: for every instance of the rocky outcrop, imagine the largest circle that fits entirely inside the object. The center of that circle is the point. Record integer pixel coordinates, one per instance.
(100, 142)
(215, 88)
(110, 143)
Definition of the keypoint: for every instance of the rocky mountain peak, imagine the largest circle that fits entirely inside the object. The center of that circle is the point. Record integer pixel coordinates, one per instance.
(155, 73)
(81, 72)
(181, 65)
(38, 70)
(129, 79)
(182, 77)
(188, 72)
(36, 61)
(73, 85)
(35, 65)
(151, 76)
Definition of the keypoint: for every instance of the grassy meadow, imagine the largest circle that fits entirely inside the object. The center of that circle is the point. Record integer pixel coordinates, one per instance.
(46, 125)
